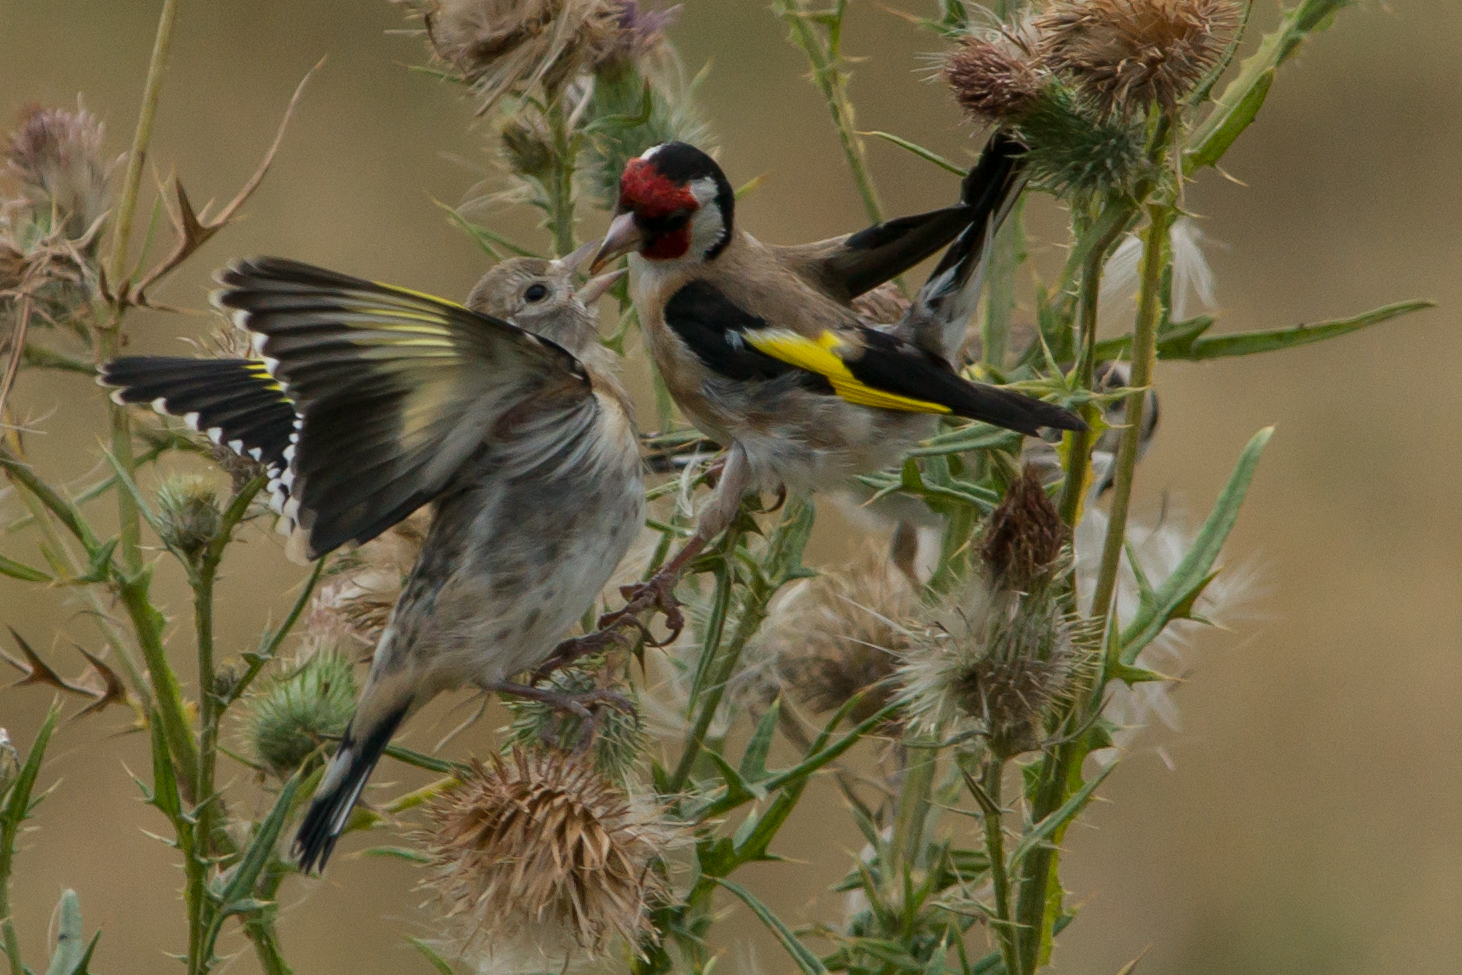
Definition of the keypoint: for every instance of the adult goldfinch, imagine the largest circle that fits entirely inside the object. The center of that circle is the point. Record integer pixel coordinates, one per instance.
(372, 401)
(761, 347)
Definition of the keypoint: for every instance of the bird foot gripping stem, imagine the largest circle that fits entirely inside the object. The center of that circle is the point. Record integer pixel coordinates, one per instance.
(584, 705)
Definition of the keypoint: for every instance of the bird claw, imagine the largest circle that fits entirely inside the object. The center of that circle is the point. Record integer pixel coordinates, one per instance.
(584, 705)
(658, 593)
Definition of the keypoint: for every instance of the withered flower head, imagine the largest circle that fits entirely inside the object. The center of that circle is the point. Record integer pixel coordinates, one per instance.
(841, 634)
(286, 721)
(55, 157)
(541, 846)
(994, 77)
(640, 29)
(508, 46)
(1025, 534)
(1129, 54)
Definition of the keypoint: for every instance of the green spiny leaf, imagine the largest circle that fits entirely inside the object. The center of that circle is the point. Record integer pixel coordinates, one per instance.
(805, 959)
(1195, 567)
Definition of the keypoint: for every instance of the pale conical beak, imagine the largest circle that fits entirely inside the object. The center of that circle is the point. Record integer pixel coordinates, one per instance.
(623, 237)
(595, 288)
(582, 253)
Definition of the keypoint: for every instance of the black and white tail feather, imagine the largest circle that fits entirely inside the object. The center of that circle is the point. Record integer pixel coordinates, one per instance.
(336, 795)
(938, 319)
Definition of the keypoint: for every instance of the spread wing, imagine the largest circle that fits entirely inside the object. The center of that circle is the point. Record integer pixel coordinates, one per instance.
(845, 267)
(235, 401)
(858, 364)
(395, 390)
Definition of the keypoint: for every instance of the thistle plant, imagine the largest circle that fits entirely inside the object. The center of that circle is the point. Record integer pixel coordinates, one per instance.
(991, 696)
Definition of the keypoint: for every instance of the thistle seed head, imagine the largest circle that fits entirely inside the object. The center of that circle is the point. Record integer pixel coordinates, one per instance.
(1129, 54)
(510, 46)
(55, 158)
(188, 514)
(1024, 536)
(354, 601)
(990, 661)
(297, 711)
(842, 634)
(994, 77)
(540, 846)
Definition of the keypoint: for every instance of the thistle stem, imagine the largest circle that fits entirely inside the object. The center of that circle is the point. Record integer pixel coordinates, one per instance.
(561, 182)
(1079, 457)
(1144, 359)
(1007, 257)
(1006, 931)
(109, 339)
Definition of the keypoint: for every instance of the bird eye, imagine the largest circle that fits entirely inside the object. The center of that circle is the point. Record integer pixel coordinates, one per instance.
(536, 292)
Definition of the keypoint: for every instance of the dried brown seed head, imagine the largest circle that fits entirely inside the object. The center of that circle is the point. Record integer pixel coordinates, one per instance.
(1025, 534)
(1129, 54)
(539, 845)
(842, 634)
(993, 77)
(509, 46)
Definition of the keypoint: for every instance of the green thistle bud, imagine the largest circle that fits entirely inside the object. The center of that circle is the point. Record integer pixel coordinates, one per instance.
(526, 145)
(188, 514)
(287, 721)
(1076, 150)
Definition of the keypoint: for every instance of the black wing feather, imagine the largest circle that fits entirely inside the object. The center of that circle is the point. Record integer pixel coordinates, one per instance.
(396, 389)
(234, 400)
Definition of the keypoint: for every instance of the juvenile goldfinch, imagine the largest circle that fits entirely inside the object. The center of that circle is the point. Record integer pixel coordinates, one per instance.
(762, 349)
(372, 401)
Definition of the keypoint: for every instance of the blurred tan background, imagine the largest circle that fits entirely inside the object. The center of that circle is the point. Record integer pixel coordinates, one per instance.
(1312, 819)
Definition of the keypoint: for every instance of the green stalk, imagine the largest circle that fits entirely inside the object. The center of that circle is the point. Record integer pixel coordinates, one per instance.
(989, 798)
(1008, 254)
(109, 339)
(695, 737)
(561, 182)
(148, 624)
(1144, 359)
(1079, 459)
(833, 85)
(7, 927)
(915, 789)
(259, 928)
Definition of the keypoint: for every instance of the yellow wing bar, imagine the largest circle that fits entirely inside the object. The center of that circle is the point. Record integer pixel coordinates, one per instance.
(820, 356)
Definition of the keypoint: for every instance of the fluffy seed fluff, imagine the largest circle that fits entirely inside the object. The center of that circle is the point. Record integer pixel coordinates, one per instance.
(1129, 54)
(994, 77)
(510, 46)
(838, 635)
(989, 661)
(354, 601)
(287, 720)
(539, 847)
